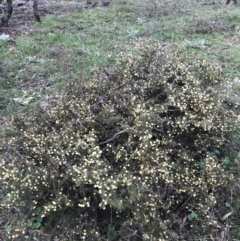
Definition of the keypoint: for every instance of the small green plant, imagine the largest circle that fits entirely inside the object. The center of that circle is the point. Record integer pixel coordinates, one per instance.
(192, 216)
(4, 37)
(225, 160)
(112, 233)
(141, 20)
(132, 32)
(196, 43)
(8, 229)
(35, 224)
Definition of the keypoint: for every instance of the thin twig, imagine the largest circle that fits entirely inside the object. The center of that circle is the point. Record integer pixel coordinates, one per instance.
(112, 138)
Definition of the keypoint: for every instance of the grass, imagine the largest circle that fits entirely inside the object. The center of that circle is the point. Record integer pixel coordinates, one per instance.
(87, 38)
(69, 44)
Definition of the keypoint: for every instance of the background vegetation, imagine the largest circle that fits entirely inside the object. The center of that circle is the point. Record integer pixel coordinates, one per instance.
(69, 61)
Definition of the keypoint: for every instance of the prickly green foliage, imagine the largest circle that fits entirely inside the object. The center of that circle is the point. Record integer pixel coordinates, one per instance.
(128, 156)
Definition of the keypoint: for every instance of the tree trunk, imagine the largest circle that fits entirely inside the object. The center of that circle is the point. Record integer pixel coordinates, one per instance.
(228, 1)
(35, 10)
(7, 14)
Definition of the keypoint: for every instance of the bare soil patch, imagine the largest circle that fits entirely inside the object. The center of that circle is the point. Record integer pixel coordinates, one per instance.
(22, 19)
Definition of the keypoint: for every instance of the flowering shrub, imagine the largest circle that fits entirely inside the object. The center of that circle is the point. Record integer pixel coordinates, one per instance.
(125, 159)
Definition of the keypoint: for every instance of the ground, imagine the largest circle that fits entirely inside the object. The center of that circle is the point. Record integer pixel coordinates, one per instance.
(74, 38)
